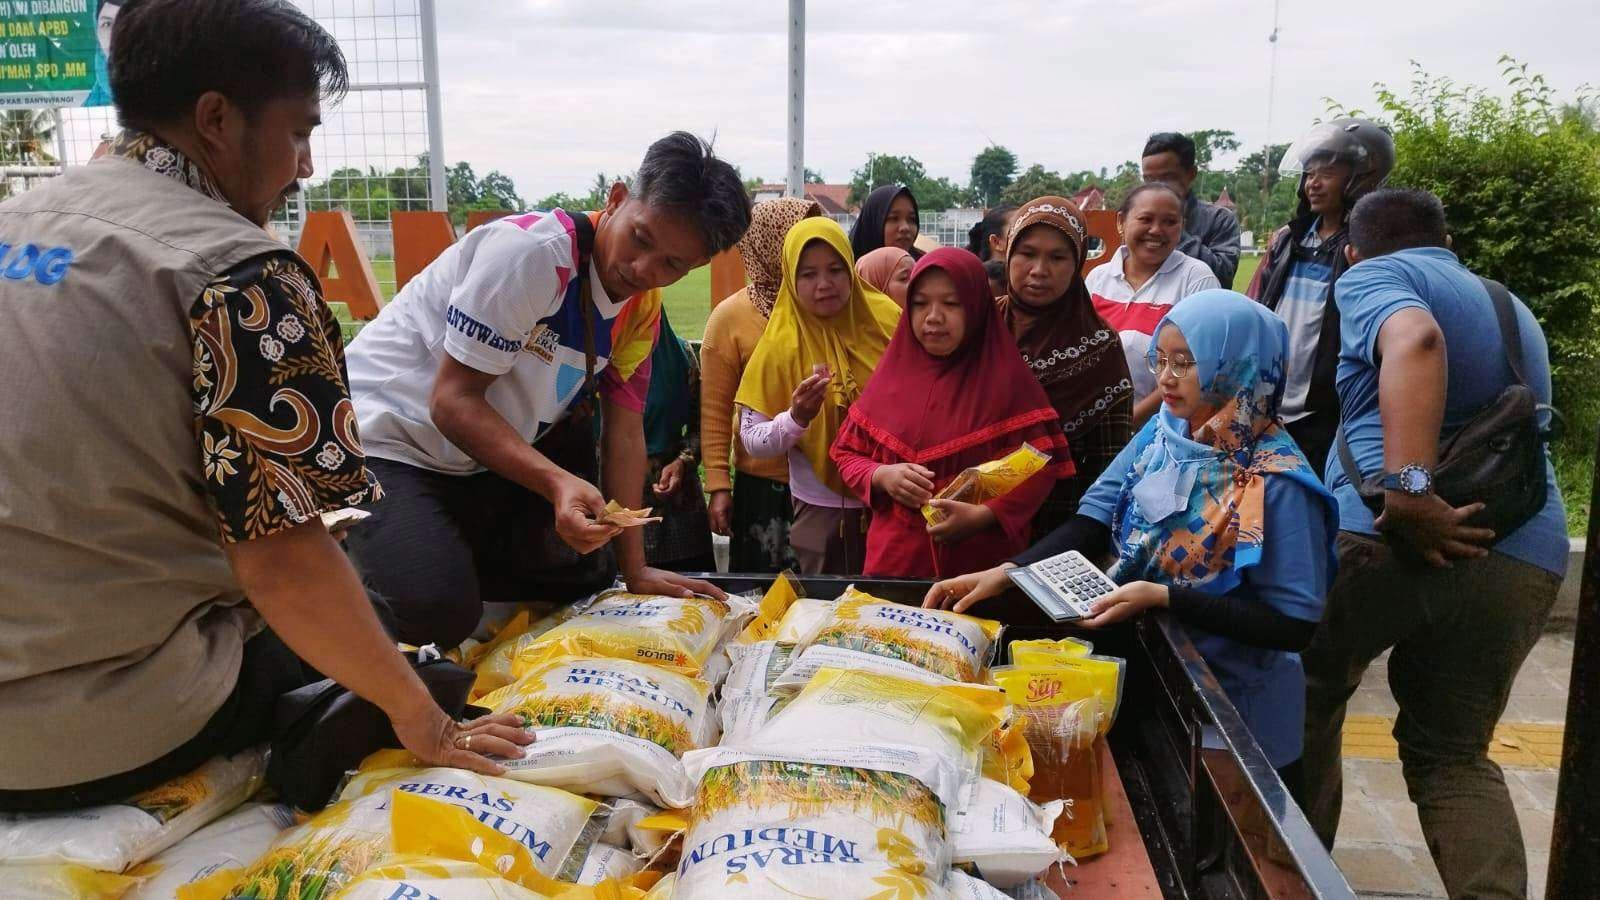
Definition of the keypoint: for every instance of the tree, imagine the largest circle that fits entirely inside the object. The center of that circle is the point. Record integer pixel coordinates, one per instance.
(1036, 182)
(931, 193)
(1209, 143)
(993, 170)
(813, 177)
(461, 185)
(500, 188)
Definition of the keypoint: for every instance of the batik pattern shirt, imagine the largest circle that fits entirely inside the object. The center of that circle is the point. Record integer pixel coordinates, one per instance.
(274, 424)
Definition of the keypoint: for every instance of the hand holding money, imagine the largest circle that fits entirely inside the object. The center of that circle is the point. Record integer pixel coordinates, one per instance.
(620, 516)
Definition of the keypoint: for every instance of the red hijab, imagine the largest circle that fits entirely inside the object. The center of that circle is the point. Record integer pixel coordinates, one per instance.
(977, 404)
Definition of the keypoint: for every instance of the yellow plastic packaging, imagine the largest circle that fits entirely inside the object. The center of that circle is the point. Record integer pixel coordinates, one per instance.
(1069, 704)
(1042, 652)
(948, 645)
(774, 606)
(677, 633)
(494, 661)
(990, 480)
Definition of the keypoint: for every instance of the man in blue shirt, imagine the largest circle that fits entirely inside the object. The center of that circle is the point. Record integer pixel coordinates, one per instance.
(1420, 354)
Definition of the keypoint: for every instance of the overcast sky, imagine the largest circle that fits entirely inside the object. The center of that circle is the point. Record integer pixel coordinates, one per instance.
(552, 91)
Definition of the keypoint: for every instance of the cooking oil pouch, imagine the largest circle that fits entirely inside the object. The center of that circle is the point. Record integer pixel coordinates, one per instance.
(320, 857)
(944, 644)
(1067, 715)
(608, 726)
(792, 828)
(991, 480)
(1041, 652)
(116, 836)
(683, 634)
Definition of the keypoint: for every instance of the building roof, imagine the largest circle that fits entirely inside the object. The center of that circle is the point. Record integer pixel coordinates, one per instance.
(1225, 201)
(833, 198)
(1090, 198)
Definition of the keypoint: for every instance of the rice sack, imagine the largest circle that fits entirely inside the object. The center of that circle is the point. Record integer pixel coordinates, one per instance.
(789, 828)
(208, 862)
(116, 836)
(61, 881)
(608, 726)
(896, 639)
(678, 633)
(321, 857)
(495, 662)
(931, 732)
(408, 877)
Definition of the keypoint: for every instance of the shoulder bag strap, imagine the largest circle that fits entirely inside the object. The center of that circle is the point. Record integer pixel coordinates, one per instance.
(1505, 312)
(583, 231)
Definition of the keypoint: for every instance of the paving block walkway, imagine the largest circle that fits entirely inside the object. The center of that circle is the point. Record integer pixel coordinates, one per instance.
(1381, 848)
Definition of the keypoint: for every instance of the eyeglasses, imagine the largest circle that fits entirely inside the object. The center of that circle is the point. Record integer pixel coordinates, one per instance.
(1157, 363)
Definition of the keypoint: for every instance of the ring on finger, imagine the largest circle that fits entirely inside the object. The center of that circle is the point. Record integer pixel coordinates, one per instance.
(465, 743)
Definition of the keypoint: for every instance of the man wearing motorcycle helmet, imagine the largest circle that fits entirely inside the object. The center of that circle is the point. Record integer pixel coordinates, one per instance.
(1338, 162)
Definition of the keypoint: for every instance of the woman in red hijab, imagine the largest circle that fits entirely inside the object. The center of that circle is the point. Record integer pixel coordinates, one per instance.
(951, 392)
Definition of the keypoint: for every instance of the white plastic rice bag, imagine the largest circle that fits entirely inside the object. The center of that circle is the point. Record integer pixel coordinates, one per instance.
(1005, 835)
(771, 828)
(217, 853)
(932, 732)
(608, 726)
(114, 837)
(950, 645)
(60, 881)
(320, 857)
(407, 877)
(684, 634)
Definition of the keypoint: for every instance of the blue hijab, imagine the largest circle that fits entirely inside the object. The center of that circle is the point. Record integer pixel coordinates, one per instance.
(1192, 508)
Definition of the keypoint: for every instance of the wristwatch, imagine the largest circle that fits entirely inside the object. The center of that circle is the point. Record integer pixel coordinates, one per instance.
(1412, 480)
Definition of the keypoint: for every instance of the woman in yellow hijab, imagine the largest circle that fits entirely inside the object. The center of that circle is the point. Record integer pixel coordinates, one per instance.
(827, 332)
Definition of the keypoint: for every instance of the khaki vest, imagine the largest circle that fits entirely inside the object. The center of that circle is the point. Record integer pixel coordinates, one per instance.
(121, 624)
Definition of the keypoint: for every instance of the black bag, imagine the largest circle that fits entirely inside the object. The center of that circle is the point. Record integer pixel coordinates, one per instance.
(322, 731)
(564, 575)
(1498, 457)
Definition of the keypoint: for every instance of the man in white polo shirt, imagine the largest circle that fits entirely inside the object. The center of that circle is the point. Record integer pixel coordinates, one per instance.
(468, 380)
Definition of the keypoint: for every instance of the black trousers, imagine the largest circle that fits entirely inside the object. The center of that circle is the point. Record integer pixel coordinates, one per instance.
(437, 547)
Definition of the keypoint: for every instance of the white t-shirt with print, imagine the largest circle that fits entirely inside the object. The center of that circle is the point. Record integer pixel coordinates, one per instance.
(497, 302)
(1136, 313)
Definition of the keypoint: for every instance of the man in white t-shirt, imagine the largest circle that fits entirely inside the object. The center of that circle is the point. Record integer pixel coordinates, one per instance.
(477, 374)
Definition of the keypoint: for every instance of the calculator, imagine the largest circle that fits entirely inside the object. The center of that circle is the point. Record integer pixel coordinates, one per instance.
(1064, 586)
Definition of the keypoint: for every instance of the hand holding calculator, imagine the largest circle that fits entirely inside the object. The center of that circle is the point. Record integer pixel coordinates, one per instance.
(1065, 586)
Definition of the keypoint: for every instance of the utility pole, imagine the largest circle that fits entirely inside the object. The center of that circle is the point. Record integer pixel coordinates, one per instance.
(1266, 147)
(796, 186)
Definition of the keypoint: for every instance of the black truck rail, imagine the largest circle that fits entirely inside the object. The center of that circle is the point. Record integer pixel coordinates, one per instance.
(1216, 820)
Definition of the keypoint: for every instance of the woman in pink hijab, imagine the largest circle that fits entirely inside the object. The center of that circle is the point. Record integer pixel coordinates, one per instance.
(889, 270)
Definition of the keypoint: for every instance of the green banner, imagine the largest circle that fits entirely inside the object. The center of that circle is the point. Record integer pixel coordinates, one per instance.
(51, 55)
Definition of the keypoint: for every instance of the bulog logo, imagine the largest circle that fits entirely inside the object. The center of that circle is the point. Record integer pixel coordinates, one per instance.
(46, 265)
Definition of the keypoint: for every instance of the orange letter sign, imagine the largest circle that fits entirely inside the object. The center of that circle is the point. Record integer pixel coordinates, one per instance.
(419, 238)
(329, 242)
